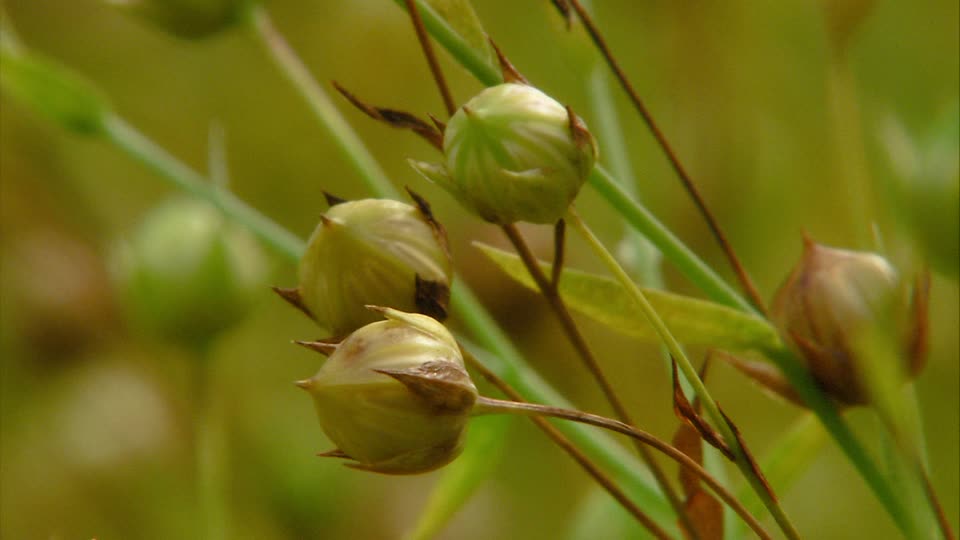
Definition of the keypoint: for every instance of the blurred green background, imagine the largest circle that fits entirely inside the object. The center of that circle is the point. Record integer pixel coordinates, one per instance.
(96, 418)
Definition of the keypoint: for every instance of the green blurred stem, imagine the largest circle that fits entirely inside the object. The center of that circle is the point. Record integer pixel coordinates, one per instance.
(487, 405)
(149, 153)
(719, 420)
(209, 450)
(294, 70)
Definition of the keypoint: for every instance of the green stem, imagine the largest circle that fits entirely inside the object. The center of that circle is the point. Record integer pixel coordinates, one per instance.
(208, 450)
(689, 371)
(831, 419)
(477, 64)
(686, 261)
(294, 70)
(131, 141)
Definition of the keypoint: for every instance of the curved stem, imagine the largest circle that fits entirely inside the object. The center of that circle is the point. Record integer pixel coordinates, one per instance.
(678, 168)
(741, 455)
(550, 293)
(487, 405)
(564, 443)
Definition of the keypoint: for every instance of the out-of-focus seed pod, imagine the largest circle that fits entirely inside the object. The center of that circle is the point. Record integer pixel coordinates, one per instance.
(394, 396)
(185, 18)
(514, 154)
(373, 251)
(831, 300)
(187, 274)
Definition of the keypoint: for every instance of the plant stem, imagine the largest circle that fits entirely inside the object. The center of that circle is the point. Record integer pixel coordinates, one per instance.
(427, 48)
(558, 306)
(487, 405)
(294, 70)
(831, 419)
(466, 55)
(128, 139)
(564, 443)
(671, 155)
(208, 449)
(673, 249)
(720, 421)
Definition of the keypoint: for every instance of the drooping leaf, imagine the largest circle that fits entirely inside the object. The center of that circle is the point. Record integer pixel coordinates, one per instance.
(692, 321)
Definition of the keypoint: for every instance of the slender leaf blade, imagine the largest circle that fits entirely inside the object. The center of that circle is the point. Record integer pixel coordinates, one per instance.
(692, 321)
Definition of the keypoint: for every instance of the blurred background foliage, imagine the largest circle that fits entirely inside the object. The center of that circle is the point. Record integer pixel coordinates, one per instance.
(770, 119)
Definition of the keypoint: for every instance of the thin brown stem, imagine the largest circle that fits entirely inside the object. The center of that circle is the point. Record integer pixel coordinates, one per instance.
(559, 249)
(567, 446)
(661, 139)
(431, 57)
(559, 307)
(489, 405)
(934, 501)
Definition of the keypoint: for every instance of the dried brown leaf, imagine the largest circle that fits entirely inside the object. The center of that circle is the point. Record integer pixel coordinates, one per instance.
(706, 514)
(397, 119)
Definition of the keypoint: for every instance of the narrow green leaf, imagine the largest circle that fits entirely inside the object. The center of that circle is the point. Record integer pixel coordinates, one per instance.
(51, 89)
(692, 321)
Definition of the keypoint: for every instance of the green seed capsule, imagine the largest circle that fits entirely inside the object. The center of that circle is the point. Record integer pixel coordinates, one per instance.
(830, 300)
(378, 252)
(394, 396)
(514, 154)
(187, 273)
